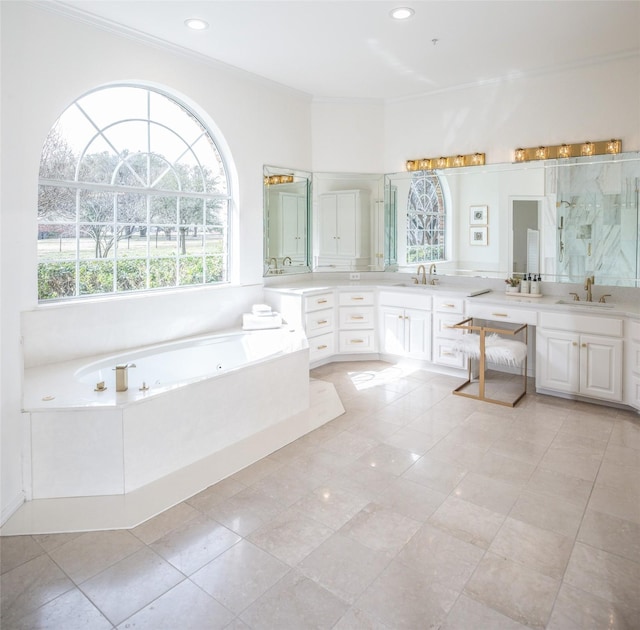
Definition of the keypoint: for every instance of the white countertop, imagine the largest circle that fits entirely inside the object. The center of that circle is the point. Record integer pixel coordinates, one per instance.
(549, 302)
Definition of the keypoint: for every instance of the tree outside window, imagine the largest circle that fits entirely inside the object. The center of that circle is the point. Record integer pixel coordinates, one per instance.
(426, 219)
(133, 195)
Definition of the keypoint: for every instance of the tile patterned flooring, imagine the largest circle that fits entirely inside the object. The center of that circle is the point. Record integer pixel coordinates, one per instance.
(415, 509)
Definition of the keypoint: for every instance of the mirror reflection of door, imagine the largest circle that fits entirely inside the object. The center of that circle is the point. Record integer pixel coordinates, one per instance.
(525, 218)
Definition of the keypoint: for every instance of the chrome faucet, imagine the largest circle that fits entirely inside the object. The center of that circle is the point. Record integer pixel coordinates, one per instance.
(284, 260)
(588, 283)
(122, 376)
(273, 269)
(432, 271)
(423, 280)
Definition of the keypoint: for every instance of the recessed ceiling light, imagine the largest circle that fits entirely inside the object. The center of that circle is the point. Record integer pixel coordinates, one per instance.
(196, 24)
(402, 13)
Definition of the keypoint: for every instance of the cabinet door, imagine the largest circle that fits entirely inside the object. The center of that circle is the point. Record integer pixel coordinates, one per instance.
(418, 334)
(557, 360)
(291, 224)
(346, 231)
(327, 225)
(601, 367)
(392, 330)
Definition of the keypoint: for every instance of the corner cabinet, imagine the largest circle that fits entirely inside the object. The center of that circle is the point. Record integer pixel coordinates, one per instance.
(580, 354)
(343, 229)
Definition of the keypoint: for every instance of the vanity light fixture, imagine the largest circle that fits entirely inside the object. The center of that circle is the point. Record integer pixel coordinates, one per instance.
(562, 151)
(401, 13)
(271, 180)
(196, 24)
(452, 161)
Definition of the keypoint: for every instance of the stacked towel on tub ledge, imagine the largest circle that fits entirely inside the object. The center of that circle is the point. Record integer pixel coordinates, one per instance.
(261, 318)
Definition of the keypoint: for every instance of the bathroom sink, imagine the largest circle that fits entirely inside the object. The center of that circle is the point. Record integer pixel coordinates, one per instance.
(581, 304)
(413, 285)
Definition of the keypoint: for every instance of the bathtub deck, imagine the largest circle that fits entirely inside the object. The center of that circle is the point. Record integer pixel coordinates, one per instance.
(49, 516)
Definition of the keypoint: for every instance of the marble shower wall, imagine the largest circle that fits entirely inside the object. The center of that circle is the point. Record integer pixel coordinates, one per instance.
(596, 221)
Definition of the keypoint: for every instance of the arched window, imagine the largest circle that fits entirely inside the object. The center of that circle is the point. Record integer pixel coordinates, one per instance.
(426, 219)
(134, 195)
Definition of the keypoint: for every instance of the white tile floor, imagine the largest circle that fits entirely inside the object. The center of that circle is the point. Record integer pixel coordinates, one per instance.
(416, 509)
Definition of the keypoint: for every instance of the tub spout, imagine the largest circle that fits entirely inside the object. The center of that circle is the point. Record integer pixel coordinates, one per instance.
(122, 376)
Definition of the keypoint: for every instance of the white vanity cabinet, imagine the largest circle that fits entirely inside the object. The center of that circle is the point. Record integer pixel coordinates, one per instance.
(405, 324)
(580, 354)
(447, 311)
(315, 313)
(343, 229)
(632, 372)
(356, 317)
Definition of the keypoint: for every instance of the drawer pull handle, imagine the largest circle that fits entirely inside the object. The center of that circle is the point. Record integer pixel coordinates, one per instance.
(323, 347)
(500, 314)
(321, 301)
(356, 341)
(575, 343)
(359, 297)
(357, 317)
(322, 322)
(449, 305)
(448, 354)
(584, 345)
(400, 316)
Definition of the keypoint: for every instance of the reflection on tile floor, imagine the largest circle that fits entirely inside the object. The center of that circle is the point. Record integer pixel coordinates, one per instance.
(415, 509)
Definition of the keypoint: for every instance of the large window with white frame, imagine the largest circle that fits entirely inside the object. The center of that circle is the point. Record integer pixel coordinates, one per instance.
(426, 219)
(134, 195)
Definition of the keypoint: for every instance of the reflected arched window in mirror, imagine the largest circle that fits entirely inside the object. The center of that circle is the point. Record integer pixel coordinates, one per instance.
(134, 195)
(426, 219)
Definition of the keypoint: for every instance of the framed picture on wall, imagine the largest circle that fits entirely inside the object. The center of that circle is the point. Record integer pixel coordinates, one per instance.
(479, 215)
(479, 235)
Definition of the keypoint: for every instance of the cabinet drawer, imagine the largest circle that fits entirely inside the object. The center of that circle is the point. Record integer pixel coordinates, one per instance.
(575, 322)
(354, 317)
(318, 322)
(415, 298)
(448, 305)
(321, 347)
(357, 341)
(502, 313)
(318, 302)
(443, 326)
(355, 298)
(443, 354)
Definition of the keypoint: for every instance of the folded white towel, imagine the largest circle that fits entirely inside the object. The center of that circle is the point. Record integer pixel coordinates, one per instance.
(261, 322)
(261, 309)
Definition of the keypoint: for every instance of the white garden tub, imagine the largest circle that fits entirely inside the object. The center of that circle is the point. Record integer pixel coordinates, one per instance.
(205, 394)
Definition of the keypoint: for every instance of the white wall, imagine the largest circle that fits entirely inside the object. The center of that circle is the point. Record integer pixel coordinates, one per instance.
(589, 103)
(47, 62)
(348, 136)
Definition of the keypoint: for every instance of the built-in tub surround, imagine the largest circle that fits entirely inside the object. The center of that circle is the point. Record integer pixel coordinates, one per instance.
(86, 443)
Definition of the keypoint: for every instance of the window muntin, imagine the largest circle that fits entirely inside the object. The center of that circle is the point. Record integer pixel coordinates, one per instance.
(133, 195)
(426, 219)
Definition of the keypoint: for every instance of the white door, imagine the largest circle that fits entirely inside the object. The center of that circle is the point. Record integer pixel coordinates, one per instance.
(418, 334)
(392, 328)
(346, 223)
(327, 226)
(601, 367)
(558, 360)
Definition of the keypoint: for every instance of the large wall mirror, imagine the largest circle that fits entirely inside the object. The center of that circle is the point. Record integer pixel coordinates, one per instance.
(287, 199)
(562, 219)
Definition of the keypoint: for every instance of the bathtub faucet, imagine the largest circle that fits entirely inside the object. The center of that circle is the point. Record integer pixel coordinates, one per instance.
(122, 376)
